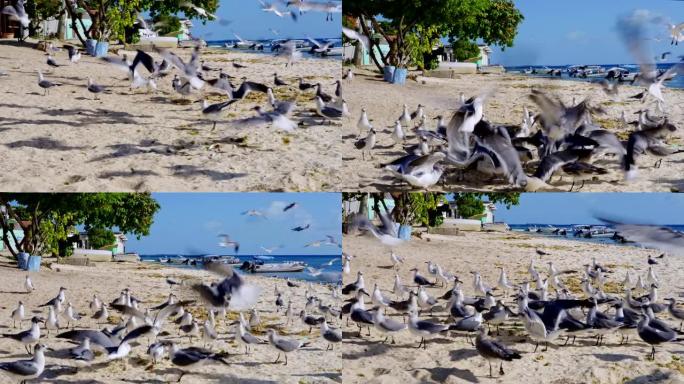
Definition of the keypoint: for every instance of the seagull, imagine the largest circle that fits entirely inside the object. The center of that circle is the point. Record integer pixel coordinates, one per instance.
(364, 124)
(663, 238)
(28, 284)
(492, 349)
(242, 336)
(331, 335)
(74, 53)
(424, 329)
(420, 280)
(387, 233)
(226, 242)
(270, 7)
(95, 88)
(357, 36)
(214, 110)
(192, 356)
(30, 336)
(289, 52)
(18, 314)
(24, 370)
(17, 13)
(301, 228)
(283, 345)
(366, 144)
(277, 118)
(45, 84)
(386, 325)
(232, 292)
(419, 171)
(51, 62)
(277, 81)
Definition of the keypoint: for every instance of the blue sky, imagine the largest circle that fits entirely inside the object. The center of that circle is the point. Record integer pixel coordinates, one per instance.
(580, 208)
(188, 223)
(581, 32)
(250, 22)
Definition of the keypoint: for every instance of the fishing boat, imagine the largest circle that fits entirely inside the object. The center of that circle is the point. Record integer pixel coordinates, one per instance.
(549, 229)
(599, 231)
(225, 259)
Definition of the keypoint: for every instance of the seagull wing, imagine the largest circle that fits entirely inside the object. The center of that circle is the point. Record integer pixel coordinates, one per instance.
(663, 238)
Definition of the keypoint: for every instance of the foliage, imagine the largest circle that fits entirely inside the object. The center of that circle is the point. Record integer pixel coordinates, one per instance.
(465, 50)
(47, 218)
(418, 208)
(112, 18)
(493, 21)
(471, 204)
(101, 238)
(167, 24)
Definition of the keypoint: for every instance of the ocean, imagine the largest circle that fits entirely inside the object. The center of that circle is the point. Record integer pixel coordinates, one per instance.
(570, 236)
(335, 54)
(677, 82)
(329, 273)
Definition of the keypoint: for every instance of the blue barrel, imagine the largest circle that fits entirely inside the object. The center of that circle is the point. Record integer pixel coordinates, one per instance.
(400, 76)
(34, 263)
(101, 49)
(90, 45)
(388, 73)
(405, 232)
(22, 260)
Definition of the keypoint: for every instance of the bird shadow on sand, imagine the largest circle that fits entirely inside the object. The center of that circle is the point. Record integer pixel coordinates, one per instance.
(13, 292)
(336, 377)
(657, 376)
(462, 354)
(386, 266)
(144, 147)
(612, 357)
(126, 174)
(441, 374)
(43, 143)
(187, 170)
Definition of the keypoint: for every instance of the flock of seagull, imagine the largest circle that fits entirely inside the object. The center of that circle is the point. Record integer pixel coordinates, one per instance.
(162, 329)
(548, 310)
(558, 139)
(192, 76)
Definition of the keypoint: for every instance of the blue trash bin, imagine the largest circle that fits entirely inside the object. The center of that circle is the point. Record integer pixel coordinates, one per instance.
(405, 232)
(90, 45)
(400, 76)
(34, 263)
(101, 49)
(388, 73)
(22, 260)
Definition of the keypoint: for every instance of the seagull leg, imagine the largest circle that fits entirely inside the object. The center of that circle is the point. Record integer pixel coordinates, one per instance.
(572, 186)
(285, 358)
(501, 371)
(490, 368)
(277, 359)
(421, 342)
(535, 347)
(546, 346)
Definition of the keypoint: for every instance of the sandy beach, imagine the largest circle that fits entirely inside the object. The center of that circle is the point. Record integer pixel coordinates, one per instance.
(451, 359)
(312, 364)
(383, 103)
(130, 140)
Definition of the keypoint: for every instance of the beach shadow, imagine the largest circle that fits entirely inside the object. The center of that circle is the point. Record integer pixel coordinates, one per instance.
(386, 266)
(612, 357)
(43, 143)
(192, 170)
(14, 292)
(657, 376)
(440, 374)
(462, 354)
(131, 173)
(336, 377)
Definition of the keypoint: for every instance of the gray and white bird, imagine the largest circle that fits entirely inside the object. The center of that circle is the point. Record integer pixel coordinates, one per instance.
(46, 84)
(28, 284)
(29, 336)
(331, 335)
(366, 144)
(17, 13)
(386, 325)
(95, 88)
(18, 314)
(23, 370)
(284, 345)
(492, 349)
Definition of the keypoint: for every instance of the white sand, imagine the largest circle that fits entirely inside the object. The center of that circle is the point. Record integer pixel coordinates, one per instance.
(383, 103)
(452, 359)
(310, 365)
(131, 140)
